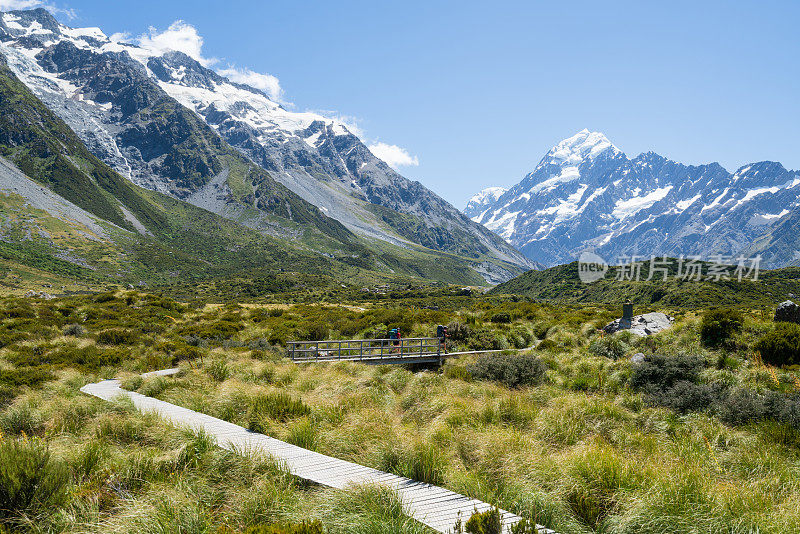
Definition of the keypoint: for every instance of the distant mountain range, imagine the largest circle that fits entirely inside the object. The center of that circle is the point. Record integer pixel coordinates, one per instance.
(586, 194)
(166, 123)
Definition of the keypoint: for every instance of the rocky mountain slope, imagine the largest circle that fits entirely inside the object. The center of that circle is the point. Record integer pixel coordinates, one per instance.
(64, 210)
(66, 214)
(169, 124)
(586, 194)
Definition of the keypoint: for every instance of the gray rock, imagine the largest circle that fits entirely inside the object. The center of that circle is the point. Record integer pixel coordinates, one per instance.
(788, 312)
(642, 325)
(637, 358)
(39, 295)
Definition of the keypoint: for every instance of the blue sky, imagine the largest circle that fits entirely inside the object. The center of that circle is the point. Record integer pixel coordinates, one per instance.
(477, 92)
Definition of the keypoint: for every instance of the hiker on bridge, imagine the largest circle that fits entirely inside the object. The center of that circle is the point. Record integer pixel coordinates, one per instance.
(394, 335)
(441, 333)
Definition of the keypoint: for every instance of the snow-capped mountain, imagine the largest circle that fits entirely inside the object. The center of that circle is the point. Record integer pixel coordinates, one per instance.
(168, 123)
(481, 202)
(587, 194)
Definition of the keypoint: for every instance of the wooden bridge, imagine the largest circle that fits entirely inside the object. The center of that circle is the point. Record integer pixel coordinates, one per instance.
(371, 351)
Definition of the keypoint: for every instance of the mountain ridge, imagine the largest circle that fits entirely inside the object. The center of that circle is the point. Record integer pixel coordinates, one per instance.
(586, 194)
(167, 122)
(66, 213)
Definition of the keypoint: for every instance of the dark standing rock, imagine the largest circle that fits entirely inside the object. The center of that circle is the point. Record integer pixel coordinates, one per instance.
(788, 312)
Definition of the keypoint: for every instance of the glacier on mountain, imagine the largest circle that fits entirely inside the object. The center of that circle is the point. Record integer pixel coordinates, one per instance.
(586, 194)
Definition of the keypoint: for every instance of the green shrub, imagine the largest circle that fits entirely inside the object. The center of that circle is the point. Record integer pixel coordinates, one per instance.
(74, 329)
(520, 338)
(547, 345)
(742, 406)
(278, 406)
(219, 330)
(117, 336)
(481, 339)
(310, 527)
(540, 329)
(89, 358)
(684, 397)
(612, 347)
(18, 309)
(7, 394)
(509, 369)
(32, 484)
(458, 331)
(719, 325)
(781, 346)
(104, 297)
(187, 353)
(488, 522)
(314, 332)
(663, 372)
(501, 318)
(25, 376)
(672, 383)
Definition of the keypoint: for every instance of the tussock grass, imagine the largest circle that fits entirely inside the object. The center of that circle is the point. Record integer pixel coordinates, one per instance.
(583, 450)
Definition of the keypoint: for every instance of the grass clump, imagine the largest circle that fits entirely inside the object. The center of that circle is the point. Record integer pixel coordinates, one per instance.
(424, 462)
(21, 419)
(612, 347)
(278, 406)
(218, 370)
(32, 484)
(511, 370)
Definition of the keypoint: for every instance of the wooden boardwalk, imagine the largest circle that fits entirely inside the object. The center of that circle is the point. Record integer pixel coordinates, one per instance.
(431, 505)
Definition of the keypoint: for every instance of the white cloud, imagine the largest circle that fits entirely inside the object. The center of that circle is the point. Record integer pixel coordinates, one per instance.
(181, 37)
(11, 5)
(263, 82)
(120, 37)
(393, 155)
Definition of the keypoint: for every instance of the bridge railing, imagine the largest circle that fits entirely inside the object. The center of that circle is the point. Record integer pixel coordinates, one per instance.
(363, 349)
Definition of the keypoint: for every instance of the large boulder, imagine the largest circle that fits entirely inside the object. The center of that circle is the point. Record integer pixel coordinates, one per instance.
(641, 325)
(788, 312)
